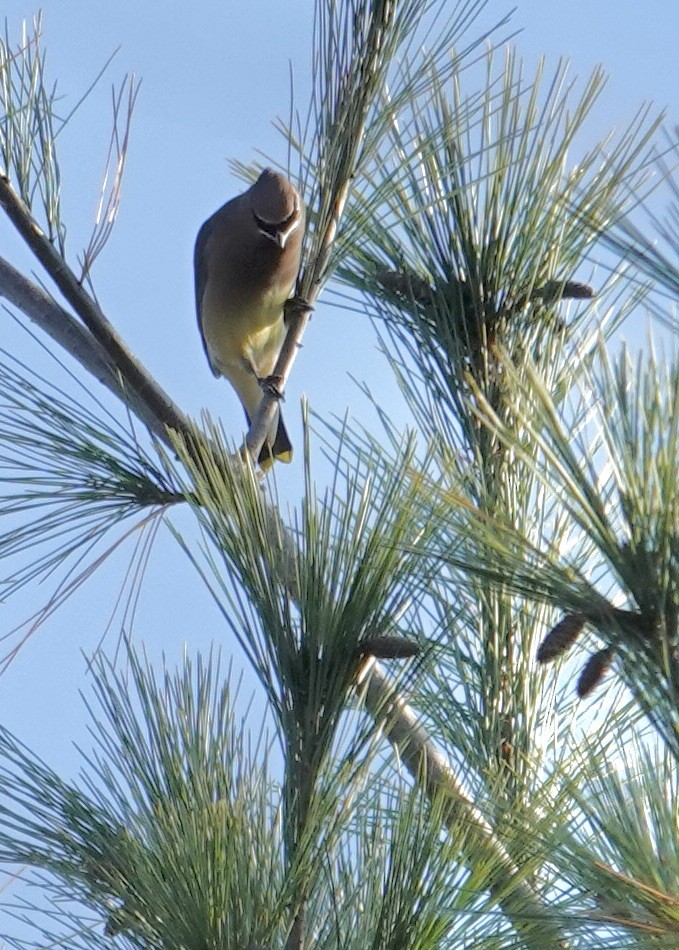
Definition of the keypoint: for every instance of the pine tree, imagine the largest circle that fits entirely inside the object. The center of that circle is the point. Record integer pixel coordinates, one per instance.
(422, 628)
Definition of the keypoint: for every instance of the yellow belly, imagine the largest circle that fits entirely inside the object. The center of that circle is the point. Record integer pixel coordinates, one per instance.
(250, 336)
(244, 344)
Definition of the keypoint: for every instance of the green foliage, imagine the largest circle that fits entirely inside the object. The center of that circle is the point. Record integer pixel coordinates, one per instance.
(70, 477)
(175, 840)
(620, 855)
(547, 488)
(302, 610)
(610, 462)
(652, 248)
(29, 126)
(31, 120)
(470, 222)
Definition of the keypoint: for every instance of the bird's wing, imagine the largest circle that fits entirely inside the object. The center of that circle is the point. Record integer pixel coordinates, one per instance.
(200, 278)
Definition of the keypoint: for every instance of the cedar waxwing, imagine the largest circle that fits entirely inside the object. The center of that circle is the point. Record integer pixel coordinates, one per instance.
(246, 261)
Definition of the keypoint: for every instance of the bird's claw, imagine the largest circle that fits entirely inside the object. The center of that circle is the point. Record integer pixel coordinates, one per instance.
(272, 386)
(296, 306)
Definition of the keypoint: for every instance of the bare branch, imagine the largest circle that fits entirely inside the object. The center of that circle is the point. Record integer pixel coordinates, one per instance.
(145, 390)
(69, 333)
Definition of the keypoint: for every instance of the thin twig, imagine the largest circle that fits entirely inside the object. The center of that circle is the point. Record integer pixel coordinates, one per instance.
(263, 420)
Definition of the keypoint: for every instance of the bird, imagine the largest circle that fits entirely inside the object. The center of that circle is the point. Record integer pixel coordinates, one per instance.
(246, 261)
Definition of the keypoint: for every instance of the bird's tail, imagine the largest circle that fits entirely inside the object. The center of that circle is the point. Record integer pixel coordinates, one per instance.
(278, 449)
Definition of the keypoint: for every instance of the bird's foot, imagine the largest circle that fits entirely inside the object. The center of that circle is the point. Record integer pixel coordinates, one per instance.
(272, 386)
(296, 306)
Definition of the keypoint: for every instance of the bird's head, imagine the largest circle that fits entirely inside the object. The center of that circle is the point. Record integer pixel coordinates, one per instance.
(276, 207)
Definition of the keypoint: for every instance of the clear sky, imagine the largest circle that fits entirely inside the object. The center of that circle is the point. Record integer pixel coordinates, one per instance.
(214, 76)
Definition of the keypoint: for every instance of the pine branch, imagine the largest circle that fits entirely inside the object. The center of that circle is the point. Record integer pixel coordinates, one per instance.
(423, 760)
(131, 370)
(65, 330)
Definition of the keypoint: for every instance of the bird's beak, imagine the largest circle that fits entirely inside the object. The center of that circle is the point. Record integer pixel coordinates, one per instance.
(282, 236)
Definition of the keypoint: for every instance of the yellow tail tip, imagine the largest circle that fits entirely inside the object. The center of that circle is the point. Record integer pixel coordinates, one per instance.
(266, 459)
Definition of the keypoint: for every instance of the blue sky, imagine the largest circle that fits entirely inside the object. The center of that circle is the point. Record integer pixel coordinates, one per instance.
(214, 77)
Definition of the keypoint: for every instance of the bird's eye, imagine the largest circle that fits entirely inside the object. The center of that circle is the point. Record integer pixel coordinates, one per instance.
(274, 229)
